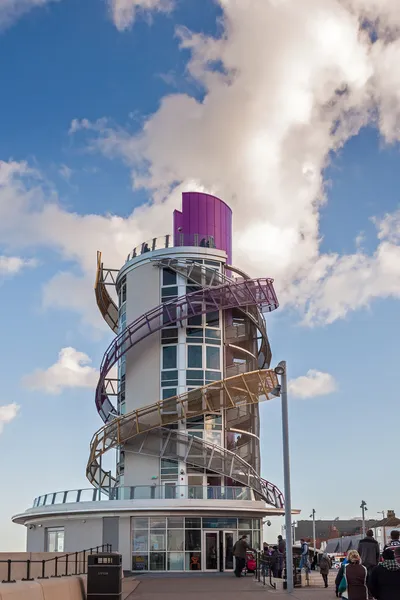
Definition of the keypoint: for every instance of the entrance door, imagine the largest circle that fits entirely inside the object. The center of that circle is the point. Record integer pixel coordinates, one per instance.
(211, 551)
(228, 550)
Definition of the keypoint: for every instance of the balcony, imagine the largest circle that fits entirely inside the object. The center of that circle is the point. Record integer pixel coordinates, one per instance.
(146, 492)
(167, 241)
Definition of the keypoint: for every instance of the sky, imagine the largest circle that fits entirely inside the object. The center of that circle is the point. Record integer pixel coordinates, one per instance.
(288, 110)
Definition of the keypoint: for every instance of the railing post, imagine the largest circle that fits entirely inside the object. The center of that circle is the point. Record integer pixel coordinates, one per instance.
(28, 572)
(43, 575)
(55, 567)
(66, 565)
(84, 562)
(8, 580)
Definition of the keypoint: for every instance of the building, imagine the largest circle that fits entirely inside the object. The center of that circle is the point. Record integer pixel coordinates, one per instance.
(384, 527)
(331, 530)
(179, 394)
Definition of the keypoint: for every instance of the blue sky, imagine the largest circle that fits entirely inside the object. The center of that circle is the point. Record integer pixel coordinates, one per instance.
(115, 110)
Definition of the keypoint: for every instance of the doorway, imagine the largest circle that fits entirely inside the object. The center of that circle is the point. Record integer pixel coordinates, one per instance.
(211, 551)
(228, 543)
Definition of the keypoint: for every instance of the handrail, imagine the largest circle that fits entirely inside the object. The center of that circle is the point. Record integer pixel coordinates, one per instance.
(199, 240)
(64, 558)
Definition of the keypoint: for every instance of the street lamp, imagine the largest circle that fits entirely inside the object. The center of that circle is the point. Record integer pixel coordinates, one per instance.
(281, 370)
(313, 530)
(363, 509)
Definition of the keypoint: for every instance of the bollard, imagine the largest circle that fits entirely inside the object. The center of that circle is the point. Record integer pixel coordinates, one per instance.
(8, 580)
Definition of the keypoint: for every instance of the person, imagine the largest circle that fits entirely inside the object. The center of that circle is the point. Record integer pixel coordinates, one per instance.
(324, 567)
(281, 545)
(314, 563)
(340, 576)
(384, 582)
(239, 552)
(394, 544)
(368, 549)
(265, 559)
(304, 554)
(356, 578)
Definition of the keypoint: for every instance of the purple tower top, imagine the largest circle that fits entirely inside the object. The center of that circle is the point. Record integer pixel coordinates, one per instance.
(204, 220)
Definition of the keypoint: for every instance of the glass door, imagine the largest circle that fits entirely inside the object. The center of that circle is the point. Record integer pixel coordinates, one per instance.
(228, 550)
(211, 551)
(169, 490)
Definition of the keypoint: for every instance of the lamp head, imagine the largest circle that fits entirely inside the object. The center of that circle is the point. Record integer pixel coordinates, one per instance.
(280, 368)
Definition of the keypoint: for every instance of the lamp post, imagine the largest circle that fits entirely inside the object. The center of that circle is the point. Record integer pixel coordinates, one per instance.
(363, 509)
(280, 370)
(313, 530)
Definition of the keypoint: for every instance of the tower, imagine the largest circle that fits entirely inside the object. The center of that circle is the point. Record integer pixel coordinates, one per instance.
(179, 392)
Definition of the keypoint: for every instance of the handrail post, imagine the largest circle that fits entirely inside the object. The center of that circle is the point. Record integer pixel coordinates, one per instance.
(84, 562)
(28, 572)
(43, 575)
(66, 565)
(76, 563)
(8, 580)
(55, 567)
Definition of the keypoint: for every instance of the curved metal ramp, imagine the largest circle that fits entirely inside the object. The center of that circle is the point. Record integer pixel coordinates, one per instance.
(106, 304)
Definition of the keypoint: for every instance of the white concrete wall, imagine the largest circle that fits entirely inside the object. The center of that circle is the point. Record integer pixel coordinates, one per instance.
(125, 544)
(35, 539)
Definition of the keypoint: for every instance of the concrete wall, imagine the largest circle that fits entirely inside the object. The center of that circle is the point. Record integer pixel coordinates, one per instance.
(111, 532)
(125, 544)
(35, 539)
(80, 534)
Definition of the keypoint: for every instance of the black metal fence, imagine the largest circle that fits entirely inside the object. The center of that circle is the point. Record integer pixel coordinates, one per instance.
(73, 563)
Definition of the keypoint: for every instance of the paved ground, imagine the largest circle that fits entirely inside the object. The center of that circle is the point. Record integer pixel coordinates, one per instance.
(221, 586)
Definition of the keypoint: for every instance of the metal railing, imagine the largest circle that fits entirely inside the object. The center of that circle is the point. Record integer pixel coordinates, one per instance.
(167, 241)
(146, 492)
(263, 572)
(73, 563)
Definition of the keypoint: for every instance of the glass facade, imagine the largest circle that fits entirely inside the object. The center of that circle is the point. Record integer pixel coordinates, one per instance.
(188, 543)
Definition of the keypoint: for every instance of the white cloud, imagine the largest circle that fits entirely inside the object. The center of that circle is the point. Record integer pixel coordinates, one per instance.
(65, 172)
(11, 10)
(298, 80)
(124, 11)
(8, 412)
(71, 370)
(315, 383)
(11, 265)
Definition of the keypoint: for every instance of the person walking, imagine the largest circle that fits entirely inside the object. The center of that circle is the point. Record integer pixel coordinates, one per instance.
(384, 582)
(239, 552)
(324, 568)
(275, 561)
(394, 544)
(368, 549)
(355, 575)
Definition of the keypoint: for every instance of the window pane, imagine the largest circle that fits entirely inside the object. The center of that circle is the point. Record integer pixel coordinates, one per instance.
(194, 377)
(192, 561)
(169, 336)
(169, 378)
(213, 422)
(195, 422)
(245, 523)
(195, 357)
(169, 314)
(212, 319)
(213, 357)
(157, 561)
(158, 522)
(157, 541)
(169, 357)
(140, 562)
(169, 292)
(175, 523)
(168, 393)
(193, 522)
(175, 539)
(192, 288)
(194, 334)
(140, 522)
(193, 539)
(169, 277)
(176, 561)
(256, 524)
(140, 541)
(219, 523)
(213, 336)
(196, 320)
(213, 376)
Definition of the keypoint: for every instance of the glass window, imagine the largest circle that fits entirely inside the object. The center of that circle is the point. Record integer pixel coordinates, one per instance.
(169, 314)
(212, 263)
(256, 540)
(214, 437)
(192, 561)
(195, 358)
(169, 378)
(196, 320)
(157, 541)
(249, 537)
(212, 319)
(157, 561)
(212, 357)
(192, 288)
(194, 334)
(213, 422)
(245, 523)
(176, 561)
(175, 523)
(168, 466)
(193, 539)
(213, 336)
(213, 376)
(140, 540)
(55, 539)
(175, 539)
(158, 522)
(195, 422)
(193, 522)
(169, 393)
(219, 523)
(169, 277)
(169, 357)
(169, 293)
(140, 562)
(169, 336)
(195, 378)
(256, 523)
